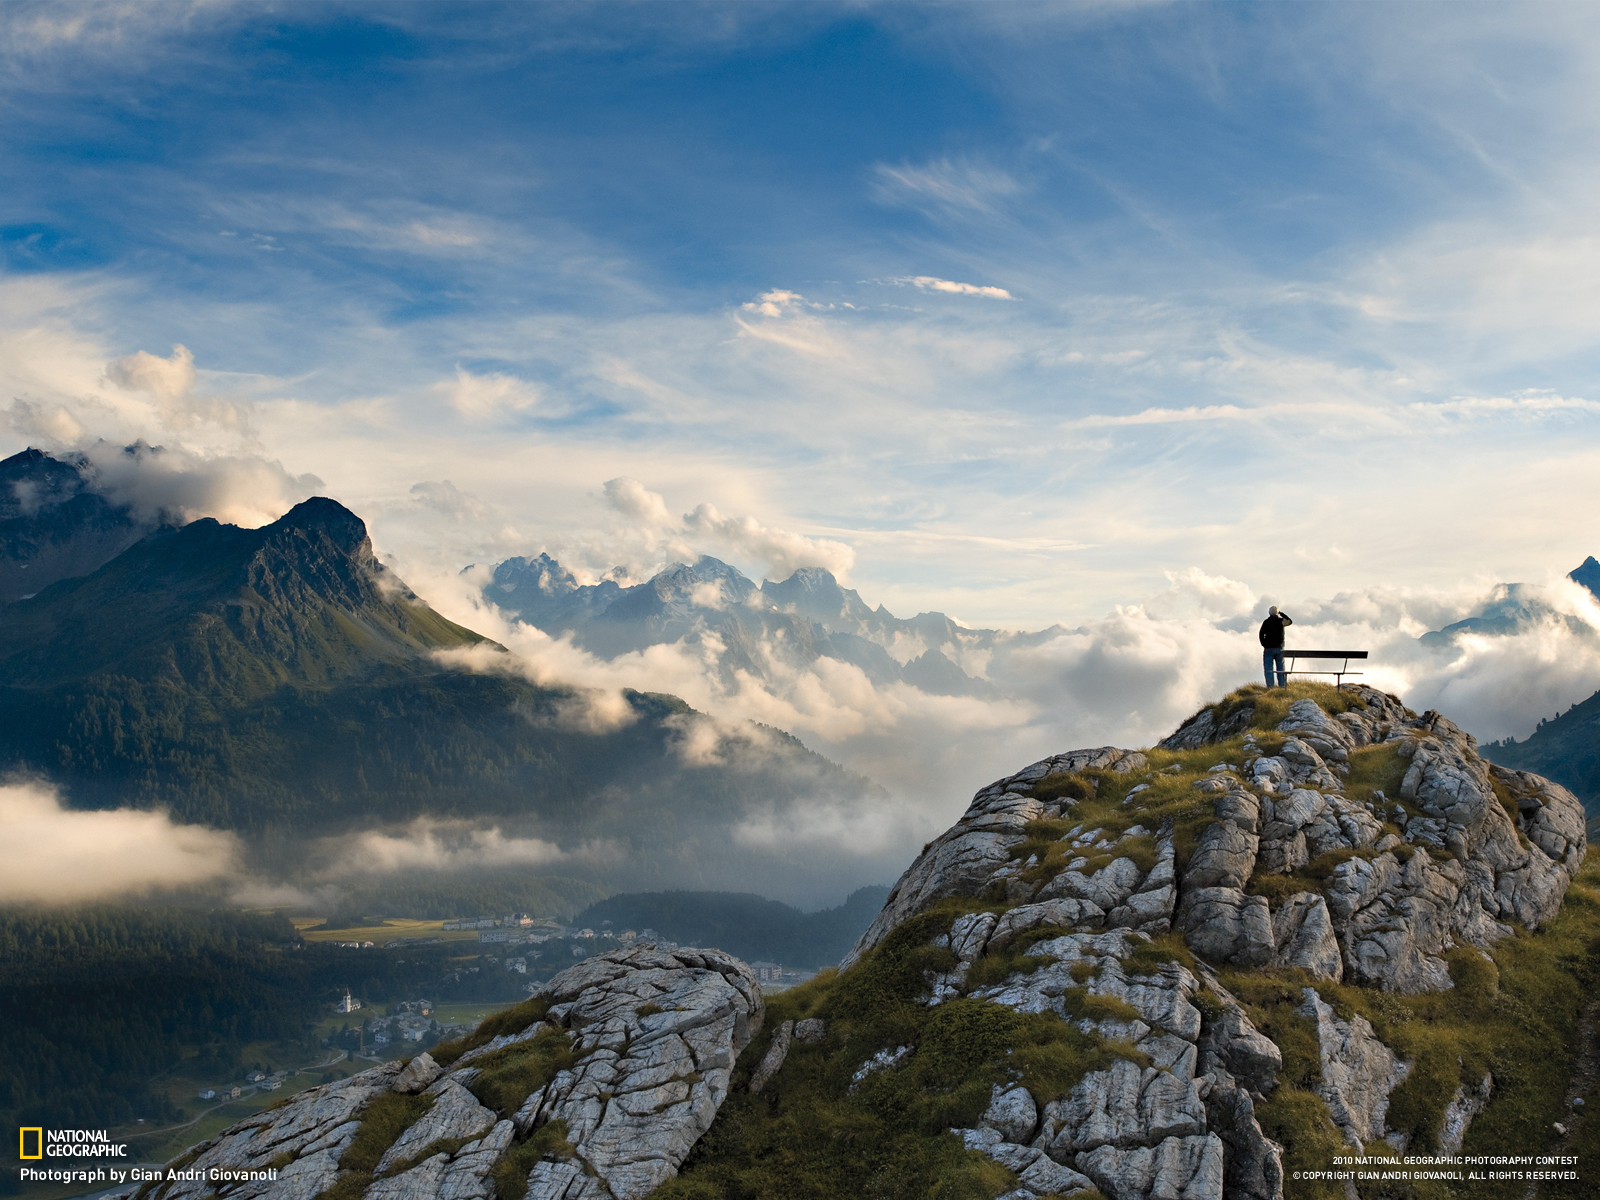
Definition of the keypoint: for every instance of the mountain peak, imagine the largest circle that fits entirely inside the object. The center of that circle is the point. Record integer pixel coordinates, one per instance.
(1587, 573)
(343, 527)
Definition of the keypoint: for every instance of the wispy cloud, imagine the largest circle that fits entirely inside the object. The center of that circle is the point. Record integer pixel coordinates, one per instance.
(929, 283)
(943, 185)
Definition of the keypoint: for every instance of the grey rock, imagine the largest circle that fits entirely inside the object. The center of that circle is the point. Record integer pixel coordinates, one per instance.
(1040, 1175)
(1224, 856)
(1252, 1163)
(315, 1127)
(564, 1181)
(418, 1074)
(772, 1061)
(961, 861)
(1222, 924)
(463, 1175)
(1358, 1071)
(1303, 936)
(648, 1086)
(1128, 1106)
(456, 1113)
(1066, 914)
(1458, 1115)
(1180, 1168)
(810, 1032)
(1230, 1045)
(1013, 1113)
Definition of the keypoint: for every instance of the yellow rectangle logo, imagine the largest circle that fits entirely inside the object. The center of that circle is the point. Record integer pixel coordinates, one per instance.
(37, 1140)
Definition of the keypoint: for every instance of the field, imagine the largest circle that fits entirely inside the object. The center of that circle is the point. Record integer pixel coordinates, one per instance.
(393, 929)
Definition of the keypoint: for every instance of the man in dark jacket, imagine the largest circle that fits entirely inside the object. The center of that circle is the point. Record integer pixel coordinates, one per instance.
(1272, 646)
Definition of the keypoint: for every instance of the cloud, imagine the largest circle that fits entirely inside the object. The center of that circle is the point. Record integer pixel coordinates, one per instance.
(636, 502)
(58, 856)
(166, 378)
(929, 283)
(956, 187)
(779, 551)
(174, 484)
(427, 844)
(445, 498)
(480, 397)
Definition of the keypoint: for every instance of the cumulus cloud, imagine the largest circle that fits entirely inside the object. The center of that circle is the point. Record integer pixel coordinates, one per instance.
(175, 484)
(166, 378)
(779, 551)
(445, 498)
(929, 283)
(55, 855)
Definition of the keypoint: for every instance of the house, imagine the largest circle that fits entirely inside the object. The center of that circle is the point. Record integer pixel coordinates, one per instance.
(233, 1092)
(271, 1085)
(208, 1093)
(255, 1077)
(767, 972)
(347, 1003)
(519, 965)
(492, 935)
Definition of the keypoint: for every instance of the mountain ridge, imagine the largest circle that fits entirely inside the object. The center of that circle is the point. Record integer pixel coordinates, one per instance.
(281, 683)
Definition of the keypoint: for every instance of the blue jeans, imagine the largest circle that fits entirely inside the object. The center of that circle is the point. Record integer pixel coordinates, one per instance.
(1273, 658)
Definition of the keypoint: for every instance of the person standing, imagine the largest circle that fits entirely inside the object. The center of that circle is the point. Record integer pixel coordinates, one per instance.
(1272, 646)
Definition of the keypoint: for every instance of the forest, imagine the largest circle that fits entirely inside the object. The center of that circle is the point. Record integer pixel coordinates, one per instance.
(101, 1002)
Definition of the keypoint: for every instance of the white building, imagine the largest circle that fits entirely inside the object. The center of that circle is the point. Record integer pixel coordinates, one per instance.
(347, 1003)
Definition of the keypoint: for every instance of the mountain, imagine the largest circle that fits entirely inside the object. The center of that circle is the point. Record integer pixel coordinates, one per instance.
(1308, 925)
(54, 525)
(1565, 748)
(1513, 608)
(792, 622)
(749, 926)
(281, 682)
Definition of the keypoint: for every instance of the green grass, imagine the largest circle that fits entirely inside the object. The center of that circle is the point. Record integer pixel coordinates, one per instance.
(511, 1074)
(512, 1020)
(1514, 1014)
(383, 1120)
(809, 1136)
(510, 1174)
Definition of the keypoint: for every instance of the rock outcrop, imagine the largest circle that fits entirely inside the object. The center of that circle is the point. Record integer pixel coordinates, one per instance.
(1460, 855)
(653, 1035)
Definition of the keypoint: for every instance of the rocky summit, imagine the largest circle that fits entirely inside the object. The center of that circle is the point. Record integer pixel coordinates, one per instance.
(1311, 923)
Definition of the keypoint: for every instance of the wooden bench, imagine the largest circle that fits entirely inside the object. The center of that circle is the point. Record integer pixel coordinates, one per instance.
(1343, 657)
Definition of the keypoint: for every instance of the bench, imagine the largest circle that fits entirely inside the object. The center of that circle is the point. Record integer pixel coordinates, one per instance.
(1342, 657)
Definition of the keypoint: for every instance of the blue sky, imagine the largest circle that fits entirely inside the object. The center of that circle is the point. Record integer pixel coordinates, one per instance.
(1297, 295)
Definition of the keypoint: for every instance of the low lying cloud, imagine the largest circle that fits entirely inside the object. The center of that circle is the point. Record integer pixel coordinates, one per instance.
(779, 551)
(57, 856)
(179, 485)
(433, 845)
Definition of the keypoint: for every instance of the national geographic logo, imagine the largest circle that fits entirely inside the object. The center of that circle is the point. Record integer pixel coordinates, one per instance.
(39, 1143)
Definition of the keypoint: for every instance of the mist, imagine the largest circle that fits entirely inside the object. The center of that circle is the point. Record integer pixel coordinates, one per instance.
(57, 856)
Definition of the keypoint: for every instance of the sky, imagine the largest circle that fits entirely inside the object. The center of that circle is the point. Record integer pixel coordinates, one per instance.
(1035, 314)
